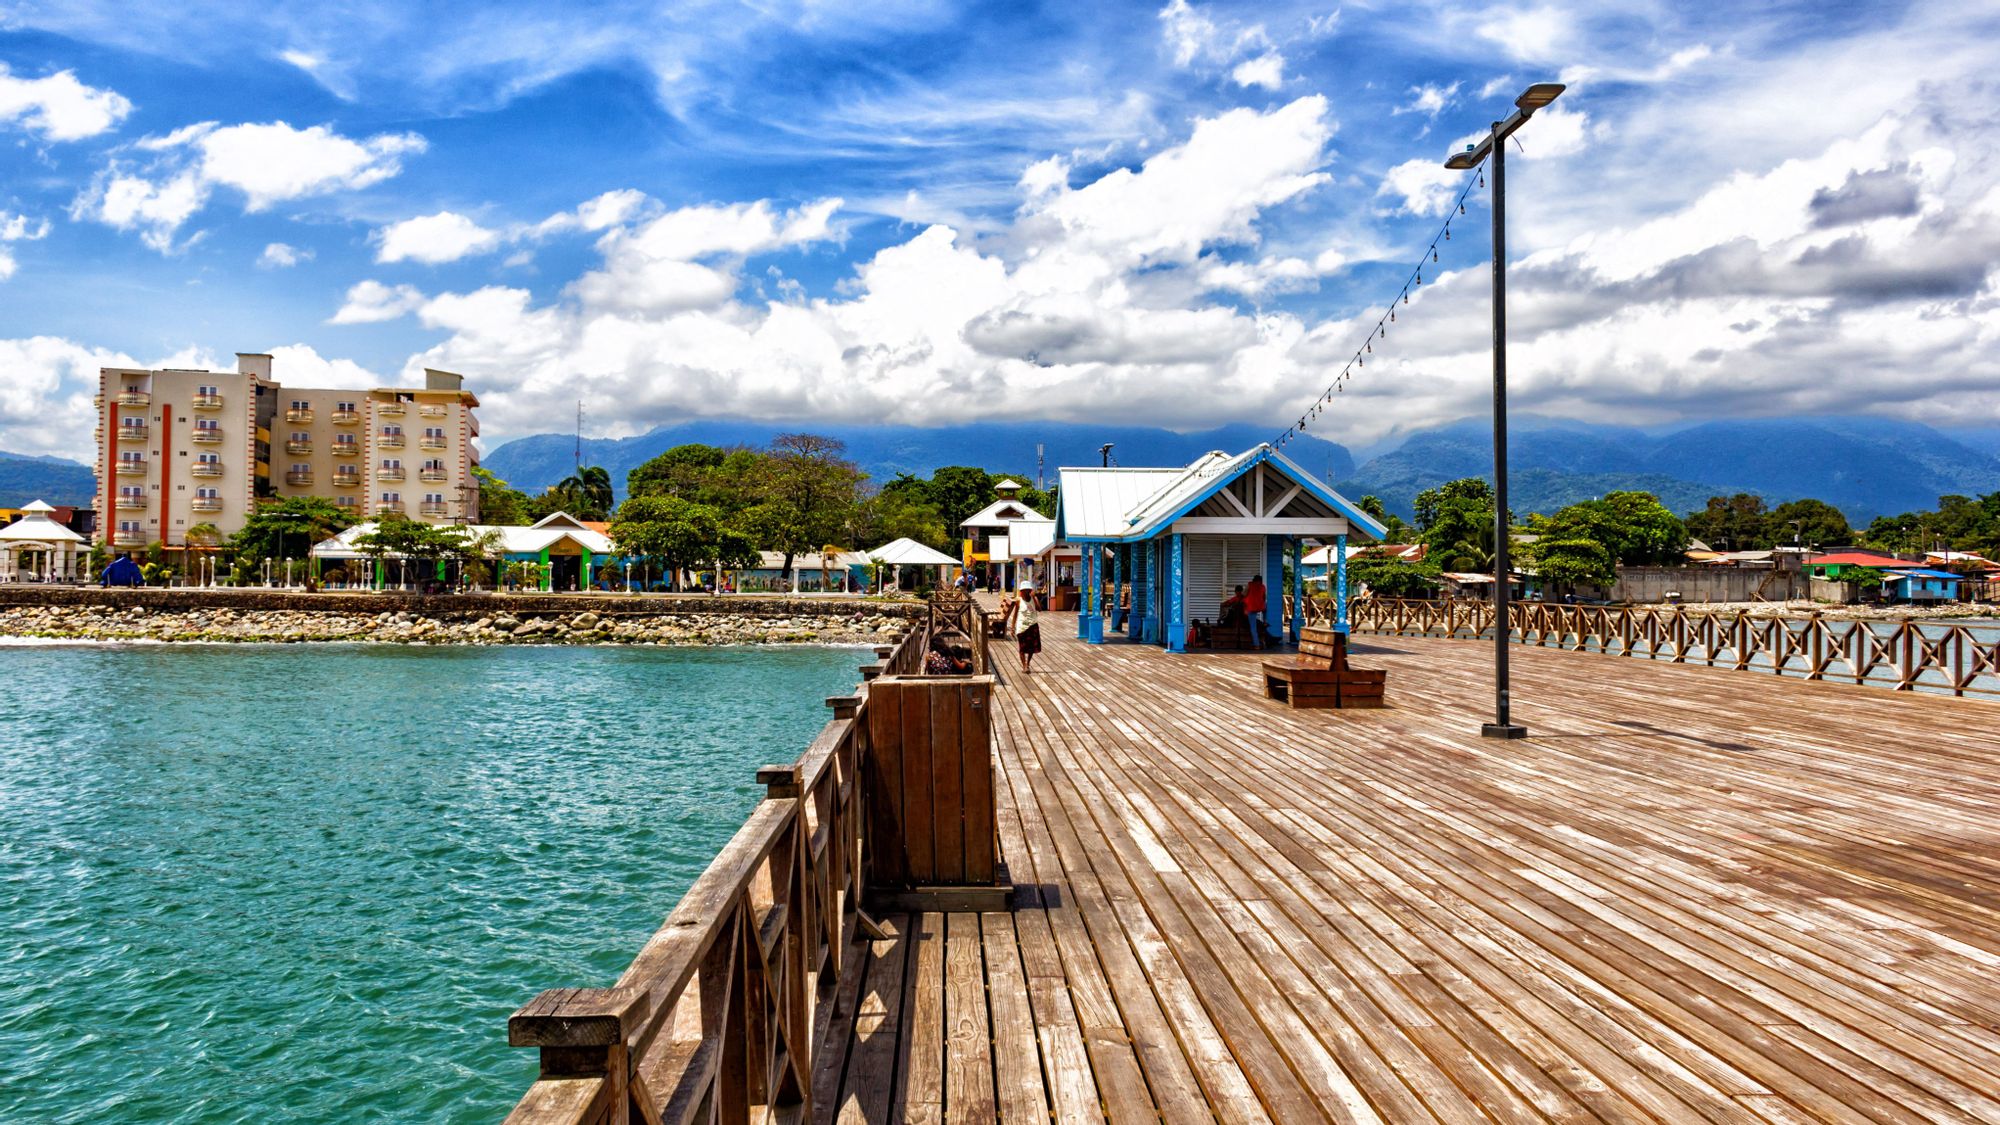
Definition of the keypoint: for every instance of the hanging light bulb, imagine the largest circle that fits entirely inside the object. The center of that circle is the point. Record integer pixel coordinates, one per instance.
(1420, 277)
(1434, 252)
(1406, 296)
(1461, 206)
(1392, 316)
(1482, 177)
(1447, 232)
(1370, 347)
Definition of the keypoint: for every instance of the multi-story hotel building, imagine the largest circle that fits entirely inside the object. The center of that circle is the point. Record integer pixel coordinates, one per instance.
(182, 448)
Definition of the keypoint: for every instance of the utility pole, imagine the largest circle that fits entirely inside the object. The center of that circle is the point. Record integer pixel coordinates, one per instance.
(1104, 454)
(579, 437)
(1041, 460)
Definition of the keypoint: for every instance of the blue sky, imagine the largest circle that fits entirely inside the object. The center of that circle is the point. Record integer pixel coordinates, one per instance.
(924, 212)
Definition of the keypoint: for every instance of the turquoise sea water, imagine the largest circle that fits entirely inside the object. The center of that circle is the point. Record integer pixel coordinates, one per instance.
(256, 883)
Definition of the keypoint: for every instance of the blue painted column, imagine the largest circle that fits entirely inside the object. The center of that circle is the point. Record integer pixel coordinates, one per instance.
(1274, 589)
(1176, 585)
(1142, 589)
(1340, 584)
(1298, 589)
(1118, 586)
(1096, 635)
(1083, 591)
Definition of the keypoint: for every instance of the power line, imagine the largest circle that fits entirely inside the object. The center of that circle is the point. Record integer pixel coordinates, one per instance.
(1380, 330)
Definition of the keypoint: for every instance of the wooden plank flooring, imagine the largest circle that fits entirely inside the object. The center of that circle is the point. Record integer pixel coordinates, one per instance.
(1693, 895)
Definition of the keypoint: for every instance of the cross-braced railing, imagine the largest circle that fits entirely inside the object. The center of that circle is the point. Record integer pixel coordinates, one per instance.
(1906, 654)
(719, 1016)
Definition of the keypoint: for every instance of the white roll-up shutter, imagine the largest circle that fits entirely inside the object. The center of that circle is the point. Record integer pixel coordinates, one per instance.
(1203, 587)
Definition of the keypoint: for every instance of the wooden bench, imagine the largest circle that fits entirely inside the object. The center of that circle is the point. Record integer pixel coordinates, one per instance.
(1320, 676)
(1223, 636)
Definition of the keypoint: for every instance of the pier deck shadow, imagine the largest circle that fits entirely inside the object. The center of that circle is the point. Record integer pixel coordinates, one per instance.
(1692, 895)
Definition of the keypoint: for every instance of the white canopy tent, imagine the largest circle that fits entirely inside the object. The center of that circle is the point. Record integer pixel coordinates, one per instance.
(37, 547)
(900, 553)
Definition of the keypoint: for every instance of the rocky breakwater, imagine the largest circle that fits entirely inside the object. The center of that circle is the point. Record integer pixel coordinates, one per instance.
(796, 624)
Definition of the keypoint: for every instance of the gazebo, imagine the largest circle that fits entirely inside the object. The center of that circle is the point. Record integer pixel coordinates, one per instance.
(37, 548)
(1179, 539)
(900, 553)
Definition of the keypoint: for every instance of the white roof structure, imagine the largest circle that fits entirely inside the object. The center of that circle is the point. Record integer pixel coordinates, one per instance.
(513, 540)
(35, 526)
(1002, 513)
(909, 552)
(1132, 504)
(775, 560)
(1009, 485)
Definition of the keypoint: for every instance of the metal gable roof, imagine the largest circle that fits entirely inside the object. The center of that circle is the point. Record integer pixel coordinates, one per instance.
(1113, 503)
(990, 516)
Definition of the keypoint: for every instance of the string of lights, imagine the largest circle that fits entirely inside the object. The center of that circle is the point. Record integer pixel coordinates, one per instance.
(1380, 331)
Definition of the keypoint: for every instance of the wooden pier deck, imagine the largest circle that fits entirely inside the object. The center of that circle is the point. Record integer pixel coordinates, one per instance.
(1692, 895)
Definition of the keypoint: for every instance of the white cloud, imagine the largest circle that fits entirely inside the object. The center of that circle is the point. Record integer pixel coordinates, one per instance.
(59, 107)
(371, 301)
(17, 228)
(268, 164)
(1423, 185)
(300, 365)
(1529, 34)
(278, 255)
(599, 213)
(1429, 99)
(1266, 71)
(444, 237)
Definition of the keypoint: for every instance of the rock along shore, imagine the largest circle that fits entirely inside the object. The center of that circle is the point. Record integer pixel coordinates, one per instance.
(267, 616)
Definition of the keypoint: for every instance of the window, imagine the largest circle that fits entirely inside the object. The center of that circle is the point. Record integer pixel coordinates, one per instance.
(209, 458)
(301, 436)
(208, 392)
(392, 462)
(301, 467)
(343, 501)
(207, 494)
(128, 527)
(433, 432)
(344, 407)
(343, 439)
(433, 497)
(131, 455)
(132, 491)
(392, 431)
(301, 404)
(207, 424)
(392, 498)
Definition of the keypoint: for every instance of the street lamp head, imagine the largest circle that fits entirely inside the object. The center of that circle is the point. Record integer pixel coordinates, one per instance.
(1460, 161)
(1539, 95)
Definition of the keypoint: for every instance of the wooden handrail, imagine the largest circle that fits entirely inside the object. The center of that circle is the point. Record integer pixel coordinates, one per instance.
(1906, 654)
(721, 1011)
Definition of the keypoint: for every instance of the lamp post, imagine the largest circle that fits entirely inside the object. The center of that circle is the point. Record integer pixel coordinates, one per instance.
(1494, 146)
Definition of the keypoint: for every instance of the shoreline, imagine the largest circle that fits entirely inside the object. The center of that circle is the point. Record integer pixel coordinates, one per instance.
(479, 624)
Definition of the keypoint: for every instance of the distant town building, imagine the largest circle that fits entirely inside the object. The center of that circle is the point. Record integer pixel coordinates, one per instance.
(180, 448)
(83, 521)
(37, 548)
(988, 546)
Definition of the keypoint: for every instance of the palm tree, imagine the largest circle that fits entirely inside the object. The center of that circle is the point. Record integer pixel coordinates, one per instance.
(590, 489)
(202, 539)
(826, 557)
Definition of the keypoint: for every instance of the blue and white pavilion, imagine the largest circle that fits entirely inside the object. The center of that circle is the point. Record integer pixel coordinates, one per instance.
(1183, 539)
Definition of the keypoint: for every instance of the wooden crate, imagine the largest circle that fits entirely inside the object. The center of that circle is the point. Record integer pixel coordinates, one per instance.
(929, 780)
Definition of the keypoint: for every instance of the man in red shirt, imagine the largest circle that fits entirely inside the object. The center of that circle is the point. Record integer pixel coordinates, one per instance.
(1253, 608)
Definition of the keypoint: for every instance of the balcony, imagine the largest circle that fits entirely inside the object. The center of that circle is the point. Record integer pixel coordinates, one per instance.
(206, 503)
(432, 508)
(293, 445)
(345, 417)
(207, 402)
(391, 441)
(433, 475)
(394, 409)
(205, 469)
(347, 480)
(390, 474)
(128, 432)
(134, 398)
(206, 435)
(431, 443)
(129, 538)
(131, 468)
(298, 478)
(131, 503)
(299, 414)
(431, 411)
(346, 448)
(383, 507)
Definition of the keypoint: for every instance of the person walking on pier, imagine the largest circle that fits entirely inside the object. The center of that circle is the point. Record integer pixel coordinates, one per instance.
(1026, 626)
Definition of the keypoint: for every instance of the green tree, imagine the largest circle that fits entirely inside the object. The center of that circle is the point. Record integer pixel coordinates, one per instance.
(812, 495)
(1392, 578)
(903, 514)
(677, 534)
(1455, 524)
(1733, 523)
(288, 528)
(397, 534)
(499, 503)
(686, 471)
(1808, 523)
(1394, 529)
(586, 494)
(1571, 560)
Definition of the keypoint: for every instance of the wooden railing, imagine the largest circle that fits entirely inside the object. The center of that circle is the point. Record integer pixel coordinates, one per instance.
(718, 1017)
(1906, 655)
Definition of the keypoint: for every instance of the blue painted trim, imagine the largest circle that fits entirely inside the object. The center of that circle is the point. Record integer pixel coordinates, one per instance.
(1298, 589)
(1304, 479)
(1340, 584)
(1176, 595)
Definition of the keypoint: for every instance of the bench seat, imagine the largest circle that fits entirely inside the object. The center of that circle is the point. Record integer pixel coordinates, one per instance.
(1320, 676)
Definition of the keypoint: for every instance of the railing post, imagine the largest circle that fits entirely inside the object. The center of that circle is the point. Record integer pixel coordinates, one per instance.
(583, 1032)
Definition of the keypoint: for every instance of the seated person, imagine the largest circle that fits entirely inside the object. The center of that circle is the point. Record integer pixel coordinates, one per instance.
(1232, 609)
(939, 661)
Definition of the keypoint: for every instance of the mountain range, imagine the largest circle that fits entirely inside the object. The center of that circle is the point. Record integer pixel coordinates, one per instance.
(1864, 466)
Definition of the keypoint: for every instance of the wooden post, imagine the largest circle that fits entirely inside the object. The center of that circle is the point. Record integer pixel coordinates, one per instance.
(584, 1032)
